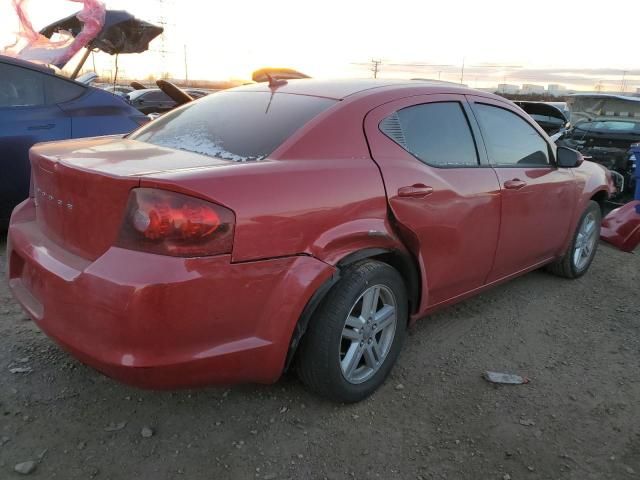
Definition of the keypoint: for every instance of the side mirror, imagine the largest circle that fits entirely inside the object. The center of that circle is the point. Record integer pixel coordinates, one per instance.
(568, 158)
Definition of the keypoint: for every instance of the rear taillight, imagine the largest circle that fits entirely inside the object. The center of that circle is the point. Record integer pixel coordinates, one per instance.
(169, 223)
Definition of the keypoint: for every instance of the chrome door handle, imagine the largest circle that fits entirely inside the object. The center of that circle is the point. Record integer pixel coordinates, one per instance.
(515, 184)
(415, 191)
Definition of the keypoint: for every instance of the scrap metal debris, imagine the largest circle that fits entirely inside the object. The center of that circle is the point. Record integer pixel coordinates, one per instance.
(21, 370)
(504, 378)
(621, 228)
(32, 45)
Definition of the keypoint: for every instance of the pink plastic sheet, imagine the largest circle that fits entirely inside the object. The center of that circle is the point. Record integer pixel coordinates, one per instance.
(32, 46)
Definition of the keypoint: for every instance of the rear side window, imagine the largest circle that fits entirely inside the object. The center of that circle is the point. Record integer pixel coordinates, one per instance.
(60, 91)
(436, 133)
(510, 140)
(20, 87)
(237, 126)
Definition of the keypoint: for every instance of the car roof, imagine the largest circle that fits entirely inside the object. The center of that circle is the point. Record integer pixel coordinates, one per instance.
(25, 64)
(341, 88)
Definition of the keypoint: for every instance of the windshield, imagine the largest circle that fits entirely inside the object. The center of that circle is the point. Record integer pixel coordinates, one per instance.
(610, 126)
(238, 126)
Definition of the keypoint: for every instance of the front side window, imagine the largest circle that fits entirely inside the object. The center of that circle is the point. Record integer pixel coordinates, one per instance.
(20, 87)
(510, 140)
(234, 125)
(437, 134)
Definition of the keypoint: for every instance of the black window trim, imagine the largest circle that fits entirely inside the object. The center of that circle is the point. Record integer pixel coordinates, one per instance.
(550, 150)
(472, 132)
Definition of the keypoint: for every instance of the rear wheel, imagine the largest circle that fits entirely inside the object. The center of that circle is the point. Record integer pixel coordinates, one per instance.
(356, 335)
(583, 247)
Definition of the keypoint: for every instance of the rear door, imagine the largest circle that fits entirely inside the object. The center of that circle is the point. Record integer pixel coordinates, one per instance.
(26, 117)
(538, 199)
(443, 195)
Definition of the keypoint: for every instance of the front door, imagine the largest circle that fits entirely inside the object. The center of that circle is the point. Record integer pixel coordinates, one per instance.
(538, 199)
(443, 195)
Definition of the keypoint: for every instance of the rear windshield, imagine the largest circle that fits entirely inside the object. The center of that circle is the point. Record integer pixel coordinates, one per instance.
(238, 126)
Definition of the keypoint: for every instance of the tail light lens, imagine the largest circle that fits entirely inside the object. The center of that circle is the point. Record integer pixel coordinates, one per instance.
(169, 223)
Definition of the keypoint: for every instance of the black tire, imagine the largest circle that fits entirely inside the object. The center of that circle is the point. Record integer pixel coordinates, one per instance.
(566, 267)
(318, 362)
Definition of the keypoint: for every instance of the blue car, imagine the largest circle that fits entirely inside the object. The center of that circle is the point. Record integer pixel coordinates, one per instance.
(36, 105)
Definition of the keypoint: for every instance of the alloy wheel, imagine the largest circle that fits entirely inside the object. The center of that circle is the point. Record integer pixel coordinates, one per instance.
(368, 334)
(585, 242)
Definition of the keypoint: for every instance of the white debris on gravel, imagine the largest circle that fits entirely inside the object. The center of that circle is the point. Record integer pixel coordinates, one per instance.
(26, 468)
(21, 370)
(114, 427)
(505, 378)
(147, 432)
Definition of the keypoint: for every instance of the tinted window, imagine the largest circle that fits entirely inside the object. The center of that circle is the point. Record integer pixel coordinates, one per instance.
(511, 140)
(236, 126)
(436, 133)
(20, 87)
(60, 91)
(158, 96)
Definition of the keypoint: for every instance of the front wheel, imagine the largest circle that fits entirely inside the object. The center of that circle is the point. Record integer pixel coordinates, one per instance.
(583, 247)
(356, 335)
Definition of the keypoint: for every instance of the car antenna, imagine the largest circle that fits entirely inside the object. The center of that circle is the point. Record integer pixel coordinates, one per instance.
(275, 82)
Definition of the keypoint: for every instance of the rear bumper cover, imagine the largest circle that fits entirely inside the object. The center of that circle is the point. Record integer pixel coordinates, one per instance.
(621, 228)
(162, 322)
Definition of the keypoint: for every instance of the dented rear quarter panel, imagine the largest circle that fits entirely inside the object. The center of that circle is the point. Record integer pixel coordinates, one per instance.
(323, 208)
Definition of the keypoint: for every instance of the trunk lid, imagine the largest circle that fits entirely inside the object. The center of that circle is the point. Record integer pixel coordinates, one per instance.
(82, 187)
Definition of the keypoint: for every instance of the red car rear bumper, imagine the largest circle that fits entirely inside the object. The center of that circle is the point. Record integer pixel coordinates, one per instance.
(162, 322)
(621, 228)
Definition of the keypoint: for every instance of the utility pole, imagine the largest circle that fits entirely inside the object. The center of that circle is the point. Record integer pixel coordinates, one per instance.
(462, 72)
(186, 68)
(623, 84)
(163, 53)
(375, 68)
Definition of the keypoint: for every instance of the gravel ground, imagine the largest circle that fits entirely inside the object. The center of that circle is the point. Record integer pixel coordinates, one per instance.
(579, 418)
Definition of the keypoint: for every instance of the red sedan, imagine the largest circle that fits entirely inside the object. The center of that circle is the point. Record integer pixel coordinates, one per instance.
(302, 224)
